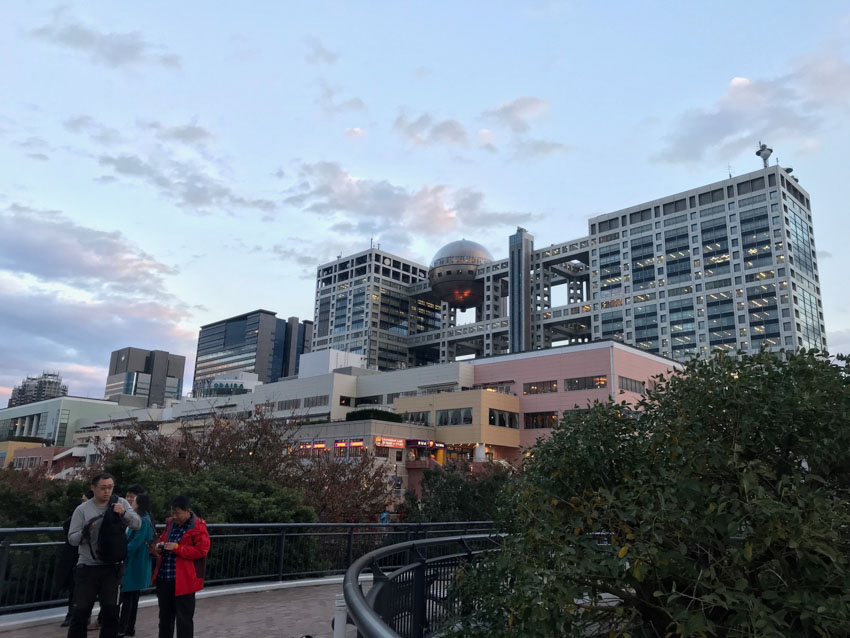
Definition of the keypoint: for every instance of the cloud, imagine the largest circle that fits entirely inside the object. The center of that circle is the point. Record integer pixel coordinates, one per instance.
(185, 133)
(318, 54)
(184, 182)
(71, 294)
(789, 109)
(114, 50)
(825, 254)
(330, 103)
(354, 132)
(96, 131)
(373, 206)
(48, 245)
(529, 149)
(425, 130)
(838, 341)
(41, 157)
(518, 113)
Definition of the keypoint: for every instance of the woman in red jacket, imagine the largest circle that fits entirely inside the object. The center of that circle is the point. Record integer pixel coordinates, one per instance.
(181, 555)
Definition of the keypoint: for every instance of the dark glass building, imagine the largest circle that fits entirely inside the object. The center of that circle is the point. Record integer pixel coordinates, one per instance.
(144, 377)
(255, 342)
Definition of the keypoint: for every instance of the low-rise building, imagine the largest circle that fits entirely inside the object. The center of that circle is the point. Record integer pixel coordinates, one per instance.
(55, 420)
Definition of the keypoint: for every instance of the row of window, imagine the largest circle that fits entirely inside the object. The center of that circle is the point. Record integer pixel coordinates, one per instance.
(570, 385)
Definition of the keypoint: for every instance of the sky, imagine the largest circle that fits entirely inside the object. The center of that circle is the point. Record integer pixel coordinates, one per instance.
(166, 165)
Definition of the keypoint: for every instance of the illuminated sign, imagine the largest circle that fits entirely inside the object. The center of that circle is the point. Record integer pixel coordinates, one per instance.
(319, 446)
(424, 443)
(341, 444)
(388, 441)
(357, 443)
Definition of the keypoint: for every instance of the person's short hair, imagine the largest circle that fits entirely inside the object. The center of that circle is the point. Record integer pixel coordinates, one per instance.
(182, 502)
(90, 495)
(97, 478)
(136, 489)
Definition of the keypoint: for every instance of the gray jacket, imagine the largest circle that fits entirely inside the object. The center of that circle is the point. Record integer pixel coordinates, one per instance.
(87, 511)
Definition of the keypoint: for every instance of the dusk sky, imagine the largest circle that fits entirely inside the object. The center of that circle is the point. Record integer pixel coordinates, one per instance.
(168, 164)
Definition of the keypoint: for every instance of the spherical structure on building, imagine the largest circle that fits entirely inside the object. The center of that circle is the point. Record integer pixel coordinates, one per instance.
(452, 273)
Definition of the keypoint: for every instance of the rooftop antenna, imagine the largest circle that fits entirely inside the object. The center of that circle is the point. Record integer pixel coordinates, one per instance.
(729, 167)
(764, 153)
(370, 243)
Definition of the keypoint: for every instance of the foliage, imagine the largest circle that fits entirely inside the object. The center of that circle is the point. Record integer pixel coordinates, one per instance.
(720, 508)
(456, 494)
(373, 413)
(346, 490)
(29, 499)
(226, 465)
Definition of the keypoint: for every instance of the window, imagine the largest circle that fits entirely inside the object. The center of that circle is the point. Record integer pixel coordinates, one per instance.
(454, 416)
(540, 387)
(632, 385)
(317, 401)
(504, 419)
(536, 420)
(586, 383)
(289, 404)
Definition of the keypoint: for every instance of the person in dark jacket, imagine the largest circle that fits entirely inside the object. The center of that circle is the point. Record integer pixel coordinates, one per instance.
(182, 549)
(137, 566)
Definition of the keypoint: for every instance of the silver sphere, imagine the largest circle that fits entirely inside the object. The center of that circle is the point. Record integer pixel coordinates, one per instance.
(452, 273)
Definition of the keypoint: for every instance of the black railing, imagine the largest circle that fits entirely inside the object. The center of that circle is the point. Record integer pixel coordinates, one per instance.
(239, 553)
(412, 593)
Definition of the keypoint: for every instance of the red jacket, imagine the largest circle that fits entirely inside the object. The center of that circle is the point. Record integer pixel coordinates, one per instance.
(191, 554)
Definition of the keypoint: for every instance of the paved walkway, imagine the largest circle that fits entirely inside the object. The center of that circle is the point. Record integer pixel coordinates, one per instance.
(277, 613)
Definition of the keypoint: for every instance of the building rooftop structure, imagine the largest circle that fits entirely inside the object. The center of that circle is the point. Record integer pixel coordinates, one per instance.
(727, 266)
(32, 389)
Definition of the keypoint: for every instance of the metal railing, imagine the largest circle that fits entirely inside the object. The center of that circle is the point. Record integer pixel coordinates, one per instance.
(412, 593)
(239, 553)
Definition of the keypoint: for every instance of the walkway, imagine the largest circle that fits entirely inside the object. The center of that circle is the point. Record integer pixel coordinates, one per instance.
(291, 612)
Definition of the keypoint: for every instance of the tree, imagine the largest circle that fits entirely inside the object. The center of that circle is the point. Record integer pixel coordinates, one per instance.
(346, 490)
(454, 494)
(718, 508)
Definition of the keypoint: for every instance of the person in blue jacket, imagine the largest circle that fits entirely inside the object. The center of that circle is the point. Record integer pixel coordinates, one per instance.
(137, 567)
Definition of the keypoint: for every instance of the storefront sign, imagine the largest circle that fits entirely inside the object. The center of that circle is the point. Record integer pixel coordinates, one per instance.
(424, 443)
(388, 441)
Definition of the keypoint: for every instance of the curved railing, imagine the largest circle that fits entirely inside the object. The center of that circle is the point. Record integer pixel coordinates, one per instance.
(412, 591)
(240, 553)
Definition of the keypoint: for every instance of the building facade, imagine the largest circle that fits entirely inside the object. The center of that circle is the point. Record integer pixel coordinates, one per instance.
(726, 266)
(48, 386)
(144, 378)
(54, 421)
(255, 342)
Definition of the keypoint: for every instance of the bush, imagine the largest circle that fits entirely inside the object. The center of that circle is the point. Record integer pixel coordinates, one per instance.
(370, 413)
(720, 508)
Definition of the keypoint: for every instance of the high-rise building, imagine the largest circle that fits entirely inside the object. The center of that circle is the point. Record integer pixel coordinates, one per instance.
(364, 305)
(726, 266)
(48, 386)
(144, 378)
(255, 342)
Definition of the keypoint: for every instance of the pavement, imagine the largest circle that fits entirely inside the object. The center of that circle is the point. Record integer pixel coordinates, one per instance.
(279, 610)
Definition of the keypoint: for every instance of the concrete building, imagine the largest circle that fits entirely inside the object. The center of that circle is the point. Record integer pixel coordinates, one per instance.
(229, 383)
(725, 266)
(53, 420)
(256, 342)
(8, 449)
(144, 378)
(456, 412)
(57, 462)
(32, 389)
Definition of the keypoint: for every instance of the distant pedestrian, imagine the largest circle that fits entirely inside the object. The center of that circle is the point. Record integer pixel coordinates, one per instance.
(137, 567)
(182, 549)
(98, 577)
(133, 491)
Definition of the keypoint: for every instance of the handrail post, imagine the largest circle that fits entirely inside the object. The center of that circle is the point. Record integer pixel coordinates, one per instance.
(4, 560)
(418, 611)
(281, 558)
(350, 546)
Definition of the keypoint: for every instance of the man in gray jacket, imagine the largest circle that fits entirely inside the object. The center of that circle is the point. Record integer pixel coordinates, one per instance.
(95, 579)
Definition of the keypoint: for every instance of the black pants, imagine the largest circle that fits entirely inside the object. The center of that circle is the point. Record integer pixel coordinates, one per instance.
(179, 609)
(129, 609)
(92, 582)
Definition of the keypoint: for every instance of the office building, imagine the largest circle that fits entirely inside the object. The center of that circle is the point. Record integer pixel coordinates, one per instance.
(144, 378)
(32, 389)
(255, 342)
(726, 266)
